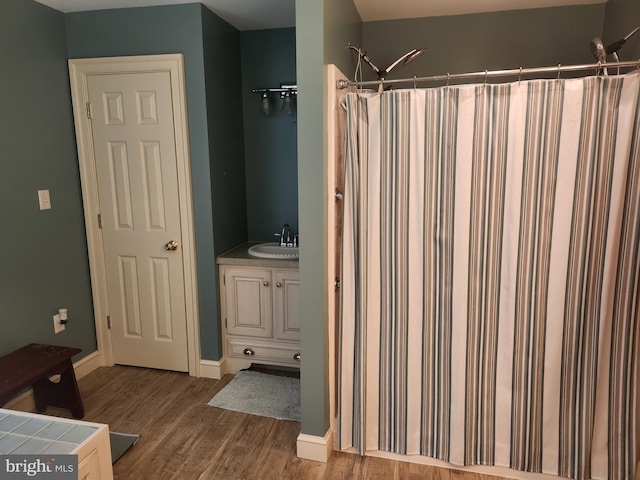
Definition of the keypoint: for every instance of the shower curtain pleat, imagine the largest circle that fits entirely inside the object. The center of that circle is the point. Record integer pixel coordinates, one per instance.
(490, 299)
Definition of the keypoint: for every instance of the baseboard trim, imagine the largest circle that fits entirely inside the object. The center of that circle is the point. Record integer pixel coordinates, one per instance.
(213, 369)
(83, 367)
(311, 447)
(88, 364)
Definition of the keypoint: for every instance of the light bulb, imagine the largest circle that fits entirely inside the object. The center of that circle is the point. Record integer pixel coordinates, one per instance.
(265, 105)
(288, 103)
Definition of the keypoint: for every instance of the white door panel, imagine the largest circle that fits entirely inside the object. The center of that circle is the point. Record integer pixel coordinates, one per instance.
(135, 155)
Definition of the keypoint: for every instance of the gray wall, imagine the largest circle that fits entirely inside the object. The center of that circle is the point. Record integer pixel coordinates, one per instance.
(622, 16)
(342, 26)
(497, 40)
(179, 29)
(43, 262)
(270, 142)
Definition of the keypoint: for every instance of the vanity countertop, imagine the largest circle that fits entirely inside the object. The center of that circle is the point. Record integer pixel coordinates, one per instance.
(240, 256)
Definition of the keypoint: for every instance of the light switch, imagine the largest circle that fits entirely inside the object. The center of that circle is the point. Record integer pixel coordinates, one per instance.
(44, 200)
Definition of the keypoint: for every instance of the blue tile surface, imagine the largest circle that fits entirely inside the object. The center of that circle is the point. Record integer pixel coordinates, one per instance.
(10, 422)
(59, 448)
(77, 434)
(20, 434)
(32, 446)
(54, 431)
(10, 442)
(31, 426)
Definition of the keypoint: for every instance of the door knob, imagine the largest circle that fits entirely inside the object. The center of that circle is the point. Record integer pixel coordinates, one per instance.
(171, 246)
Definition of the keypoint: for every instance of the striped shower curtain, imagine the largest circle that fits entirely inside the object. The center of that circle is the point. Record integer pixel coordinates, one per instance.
(490, 306)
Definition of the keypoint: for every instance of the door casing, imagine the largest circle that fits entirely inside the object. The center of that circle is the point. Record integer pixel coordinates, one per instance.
(79, 71)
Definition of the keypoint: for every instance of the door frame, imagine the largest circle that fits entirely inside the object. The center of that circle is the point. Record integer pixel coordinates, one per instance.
(79, 71)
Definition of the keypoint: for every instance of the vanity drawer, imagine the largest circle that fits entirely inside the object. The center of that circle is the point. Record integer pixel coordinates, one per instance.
(263, 351)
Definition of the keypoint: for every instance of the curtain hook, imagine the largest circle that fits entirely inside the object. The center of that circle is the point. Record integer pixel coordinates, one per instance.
(520, 75)
(559, 65)
(448, 78)
(486, 74)
(415, 82)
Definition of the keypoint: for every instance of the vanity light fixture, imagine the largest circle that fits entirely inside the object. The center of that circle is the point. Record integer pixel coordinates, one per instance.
(288, 93)
(266, 107)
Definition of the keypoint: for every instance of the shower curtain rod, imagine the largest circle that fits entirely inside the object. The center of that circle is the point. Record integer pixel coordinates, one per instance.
(518, 72)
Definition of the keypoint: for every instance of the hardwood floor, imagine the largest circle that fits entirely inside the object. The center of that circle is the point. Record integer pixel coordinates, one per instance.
(182, 438)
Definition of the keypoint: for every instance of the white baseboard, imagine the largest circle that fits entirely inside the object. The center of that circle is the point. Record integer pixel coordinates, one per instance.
(83, 367)
(311, 447)
(88, 364)
(213, 369)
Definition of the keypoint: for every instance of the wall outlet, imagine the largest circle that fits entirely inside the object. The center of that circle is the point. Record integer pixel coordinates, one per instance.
(57, 326)
(44, 200)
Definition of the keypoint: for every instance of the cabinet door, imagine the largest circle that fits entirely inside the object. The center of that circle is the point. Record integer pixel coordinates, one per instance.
(89, 468)
(248, 301)
(286, 304)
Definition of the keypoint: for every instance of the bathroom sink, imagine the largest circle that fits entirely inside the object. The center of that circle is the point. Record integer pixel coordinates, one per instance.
(273, 250)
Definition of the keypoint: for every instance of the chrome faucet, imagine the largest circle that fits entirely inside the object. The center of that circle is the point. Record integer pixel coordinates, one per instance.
(285, 236)
(286, 239)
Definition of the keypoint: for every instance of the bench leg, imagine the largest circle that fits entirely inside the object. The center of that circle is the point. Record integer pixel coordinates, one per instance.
(63, 394)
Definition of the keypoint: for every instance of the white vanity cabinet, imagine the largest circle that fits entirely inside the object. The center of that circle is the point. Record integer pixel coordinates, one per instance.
(260, 312)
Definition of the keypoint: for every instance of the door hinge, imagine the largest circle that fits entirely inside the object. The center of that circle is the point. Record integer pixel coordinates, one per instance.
(88, 110)
(109, 322)
(225, 322)
(99, 220)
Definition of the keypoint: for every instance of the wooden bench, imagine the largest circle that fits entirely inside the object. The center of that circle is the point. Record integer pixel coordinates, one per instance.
(32, 365)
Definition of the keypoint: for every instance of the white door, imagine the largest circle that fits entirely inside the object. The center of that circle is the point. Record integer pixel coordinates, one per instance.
(135, 163)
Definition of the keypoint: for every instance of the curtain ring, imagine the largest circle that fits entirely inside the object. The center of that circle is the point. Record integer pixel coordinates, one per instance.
(415, 82)
(486, 74)
(448, 78)
(559, 65)
(520, 75)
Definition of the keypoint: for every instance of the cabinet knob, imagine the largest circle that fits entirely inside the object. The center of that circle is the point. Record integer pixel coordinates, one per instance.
(278, 284)
(266, 284)
(248, 352)
(296, 356)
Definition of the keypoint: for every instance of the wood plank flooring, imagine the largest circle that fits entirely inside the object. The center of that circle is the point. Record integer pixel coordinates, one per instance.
(182, 438)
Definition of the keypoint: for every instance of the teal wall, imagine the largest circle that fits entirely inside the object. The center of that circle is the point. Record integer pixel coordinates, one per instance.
(227, 175)
(318, 24)
(270, 142)
(487, 41)
(313, 314)
(43, 261)
(182, 29)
